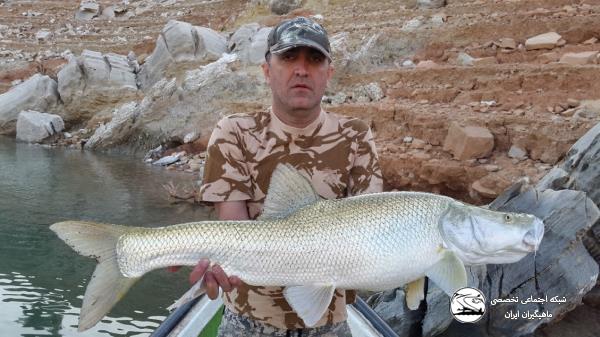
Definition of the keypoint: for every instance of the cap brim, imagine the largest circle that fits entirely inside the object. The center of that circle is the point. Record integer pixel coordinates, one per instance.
(278, 49)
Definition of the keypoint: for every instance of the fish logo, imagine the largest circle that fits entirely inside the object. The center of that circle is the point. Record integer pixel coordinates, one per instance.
(467, 305)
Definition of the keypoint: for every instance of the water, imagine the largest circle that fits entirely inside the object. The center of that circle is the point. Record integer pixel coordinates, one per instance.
(42, 280)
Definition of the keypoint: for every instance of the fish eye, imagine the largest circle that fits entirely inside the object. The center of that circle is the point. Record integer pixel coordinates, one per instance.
(507, 217)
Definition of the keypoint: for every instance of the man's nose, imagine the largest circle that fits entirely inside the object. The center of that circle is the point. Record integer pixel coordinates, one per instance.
(301, 67)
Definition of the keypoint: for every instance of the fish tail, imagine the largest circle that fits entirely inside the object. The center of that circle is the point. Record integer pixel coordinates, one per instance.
(107, 285)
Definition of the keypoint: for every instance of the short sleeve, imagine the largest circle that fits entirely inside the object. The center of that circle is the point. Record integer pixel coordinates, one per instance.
(365, 174)
(226, 174)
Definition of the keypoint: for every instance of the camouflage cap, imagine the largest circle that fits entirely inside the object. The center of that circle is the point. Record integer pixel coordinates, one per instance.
(298, 32)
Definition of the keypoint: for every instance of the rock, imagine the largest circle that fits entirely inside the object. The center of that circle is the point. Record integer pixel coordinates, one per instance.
(490, 186)
(368, 93)
(412, 25)
(544, 41)
(408, 64)
(431, 3)
(281, 7)
(109, 12)
(170, 111)
(88, 9)
(484, 61)
(181, 42)
(517, 153)
(168, 160)
(591, 41)
(93, 82)
(572, 103)
(117, 131)
(249, 42)
(548, 57)
(507, 43)
(190, 137)
(464, 59)
(407, 139)
(36, 93)
(427, 64)
(43, 35)
(588, 109)
(33, 126)
(588, 57)
(390, 305)
(418, 144)
(468, 142)
(339, 98)
(439, 19)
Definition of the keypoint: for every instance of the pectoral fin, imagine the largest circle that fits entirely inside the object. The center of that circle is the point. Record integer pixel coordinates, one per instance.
(310, 302)
(449, 273)
(415, 293)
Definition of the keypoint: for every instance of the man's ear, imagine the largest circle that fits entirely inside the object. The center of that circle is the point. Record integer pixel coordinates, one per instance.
(330, 71)
(266, 71)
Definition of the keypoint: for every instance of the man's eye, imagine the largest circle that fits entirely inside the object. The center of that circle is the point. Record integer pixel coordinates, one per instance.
(288, 56)
(317, 58)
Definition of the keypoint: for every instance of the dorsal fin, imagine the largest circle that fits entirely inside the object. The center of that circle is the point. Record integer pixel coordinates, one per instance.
(288, 192)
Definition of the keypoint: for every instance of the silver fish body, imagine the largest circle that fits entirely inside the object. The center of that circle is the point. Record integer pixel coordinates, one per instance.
(371, 242)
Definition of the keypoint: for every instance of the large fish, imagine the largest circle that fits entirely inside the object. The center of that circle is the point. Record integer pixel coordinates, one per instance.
(312, 246)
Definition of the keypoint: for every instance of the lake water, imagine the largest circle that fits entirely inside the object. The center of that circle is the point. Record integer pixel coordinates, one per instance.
(42, 280)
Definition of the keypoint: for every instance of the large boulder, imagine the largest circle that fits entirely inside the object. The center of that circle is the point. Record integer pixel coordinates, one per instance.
(431, 3)
(170, 111)
(33, 126)
(468, 142)
(94, 82)
(37, 93)
(179, 43)
(281, 7)
(117, 131)
(88, 9)
(249, 42)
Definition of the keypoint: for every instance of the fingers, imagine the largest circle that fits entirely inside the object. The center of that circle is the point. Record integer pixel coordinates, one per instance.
(221, 278)
(214, 278)
(235, 281)
(212, 289)
(199, 271)
(173, 269)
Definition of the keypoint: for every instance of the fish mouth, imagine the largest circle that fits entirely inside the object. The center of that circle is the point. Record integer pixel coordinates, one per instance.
(533, 237)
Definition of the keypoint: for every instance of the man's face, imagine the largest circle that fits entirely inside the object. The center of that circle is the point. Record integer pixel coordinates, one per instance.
(298, 78)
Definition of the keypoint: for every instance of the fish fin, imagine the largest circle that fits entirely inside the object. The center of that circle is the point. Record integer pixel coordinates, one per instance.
(415, 293)
(309, 301)
(449, 273)
(107, 285)
(195, 291)
(288, 191)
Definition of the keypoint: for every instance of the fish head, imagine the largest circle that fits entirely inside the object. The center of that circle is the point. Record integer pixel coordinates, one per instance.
(481, 236)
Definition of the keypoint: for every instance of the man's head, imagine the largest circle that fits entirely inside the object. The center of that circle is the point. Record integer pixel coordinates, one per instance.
(298, 65)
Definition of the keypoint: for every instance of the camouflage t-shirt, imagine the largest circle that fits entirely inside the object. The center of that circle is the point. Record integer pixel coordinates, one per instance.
(337, 155)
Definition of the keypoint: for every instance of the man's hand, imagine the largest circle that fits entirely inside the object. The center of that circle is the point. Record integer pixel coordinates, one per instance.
(214, 278)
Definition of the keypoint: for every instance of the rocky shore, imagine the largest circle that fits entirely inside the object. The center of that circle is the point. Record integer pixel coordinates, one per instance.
(465, 98)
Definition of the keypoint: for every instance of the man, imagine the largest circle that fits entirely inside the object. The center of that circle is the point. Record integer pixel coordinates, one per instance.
(335, 153)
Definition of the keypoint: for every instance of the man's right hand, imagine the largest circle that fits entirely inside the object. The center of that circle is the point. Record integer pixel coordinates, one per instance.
(214, 278)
